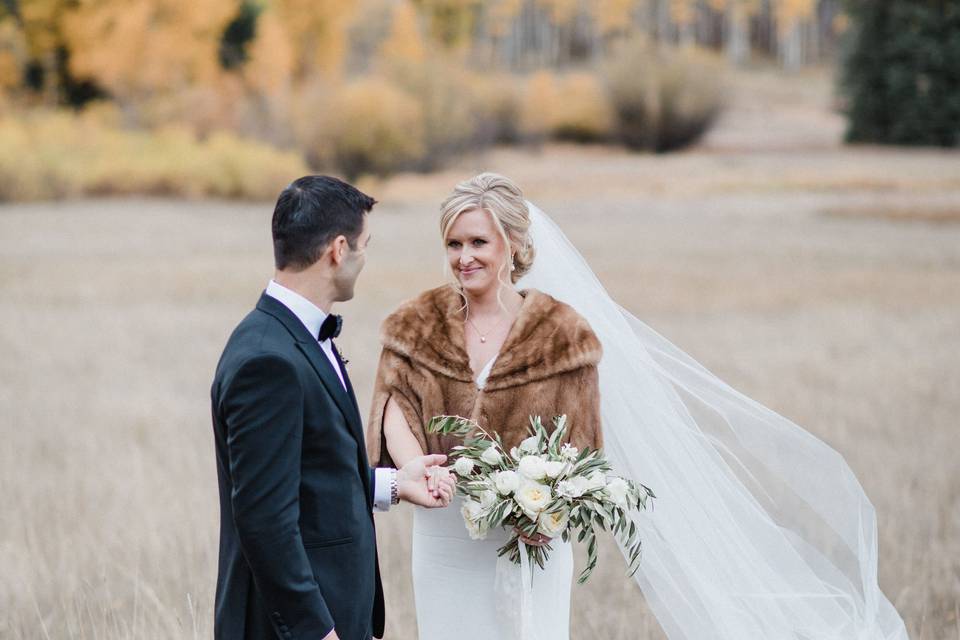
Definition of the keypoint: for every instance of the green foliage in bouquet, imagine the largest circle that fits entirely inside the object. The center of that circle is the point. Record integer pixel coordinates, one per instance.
(544, 486)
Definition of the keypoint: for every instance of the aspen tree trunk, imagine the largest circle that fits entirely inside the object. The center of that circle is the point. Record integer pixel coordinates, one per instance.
(791, 47)
(663, 22)
(737, 43)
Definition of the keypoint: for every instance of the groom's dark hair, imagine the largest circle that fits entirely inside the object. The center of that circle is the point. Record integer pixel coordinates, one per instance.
(310, 213)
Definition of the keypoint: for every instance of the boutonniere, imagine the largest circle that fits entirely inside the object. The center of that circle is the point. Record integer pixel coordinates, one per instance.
(344, 360)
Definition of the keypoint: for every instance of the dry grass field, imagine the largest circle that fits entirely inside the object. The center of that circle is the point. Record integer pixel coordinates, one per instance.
(822, 280)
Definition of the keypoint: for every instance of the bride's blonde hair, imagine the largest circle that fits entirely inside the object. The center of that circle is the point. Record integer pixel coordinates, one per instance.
(502, 199)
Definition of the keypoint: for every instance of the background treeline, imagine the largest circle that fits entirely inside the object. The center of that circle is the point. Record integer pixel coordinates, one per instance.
(192, 97)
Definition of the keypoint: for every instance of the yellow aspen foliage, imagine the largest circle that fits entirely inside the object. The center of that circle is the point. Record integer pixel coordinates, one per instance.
(841, 23)
(271, 62)
(317, 30)
(789, 12)
(12, 56)
(404, 43)
(41, 22)
(612, 15)
(750, 6)
(682, 11)
(560, 11)
(450, 22)
(139, 47)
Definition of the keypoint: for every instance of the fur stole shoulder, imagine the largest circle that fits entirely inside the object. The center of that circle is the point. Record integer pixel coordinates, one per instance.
(547, 338)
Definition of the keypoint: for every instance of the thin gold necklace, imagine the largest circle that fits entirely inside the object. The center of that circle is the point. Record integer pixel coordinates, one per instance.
(483, 337)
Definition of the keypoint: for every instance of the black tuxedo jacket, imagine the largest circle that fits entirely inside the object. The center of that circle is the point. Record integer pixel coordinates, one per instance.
(297, 545)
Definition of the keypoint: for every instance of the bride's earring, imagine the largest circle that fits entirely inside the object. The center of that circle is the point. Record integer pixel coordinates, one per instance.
(513, 266)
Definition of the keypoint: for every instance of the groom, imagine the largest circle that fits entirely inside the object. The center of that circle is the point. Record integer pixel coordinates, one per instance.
(298, 554)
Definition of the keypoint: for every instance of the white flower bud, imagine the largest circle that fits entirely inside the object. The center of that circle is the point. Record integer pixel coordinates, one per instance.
(491, 456)
(530, 445)
(463, 466)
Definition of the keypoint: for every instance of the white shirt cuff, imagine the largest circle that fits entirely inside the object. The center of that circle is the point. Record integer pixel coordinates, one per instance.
(381, 488)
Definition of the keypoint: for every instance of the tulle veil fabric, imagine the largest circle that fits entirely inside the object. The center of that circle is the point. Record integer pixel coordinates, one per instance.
(760, 531)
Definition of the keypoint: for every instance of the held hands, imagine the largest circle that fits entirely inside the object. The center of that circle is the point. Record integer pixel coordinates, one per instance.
(424, 482)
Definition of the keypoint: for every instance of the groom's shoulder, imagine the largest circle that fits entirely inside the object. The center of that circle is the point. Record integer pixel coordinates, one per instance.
(259, 333)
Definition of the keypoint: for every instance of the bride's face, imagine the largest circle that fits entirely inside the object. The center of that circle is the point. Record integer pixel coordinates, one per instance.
(476, 251)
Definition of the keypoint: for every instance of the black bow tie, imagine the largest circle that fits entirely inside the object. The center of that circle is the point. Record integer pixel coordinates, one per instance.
(330, 328)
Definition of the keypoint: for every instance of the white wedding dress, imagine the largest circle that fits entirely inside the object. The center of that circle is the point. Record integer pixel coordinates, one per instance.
(464, 591)
(760, 531)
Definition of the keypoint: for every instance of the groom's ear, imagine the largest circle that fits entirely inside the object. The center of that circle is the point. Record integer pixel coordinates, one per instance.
(338, 249)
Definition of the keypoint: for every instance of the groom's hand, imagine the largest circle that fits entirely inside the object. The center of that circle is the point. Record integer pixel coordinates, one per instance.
(422, 481)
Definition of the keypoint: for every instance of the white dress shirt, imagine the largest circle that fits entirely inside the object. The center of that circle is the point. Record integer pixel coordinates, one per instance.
(312, 317)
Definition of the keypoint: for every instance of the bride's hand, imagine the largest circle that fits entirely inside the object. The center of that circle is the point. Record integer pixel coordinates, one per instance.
(538, 539)
(418, 484)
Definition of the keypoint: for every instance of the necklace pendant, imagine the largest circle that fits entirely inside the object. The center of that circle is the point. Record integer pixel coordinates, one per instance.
(483, 338)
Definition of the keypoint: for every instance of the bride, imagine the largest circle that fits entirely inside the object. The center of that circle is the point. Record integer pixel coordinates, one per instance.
(760, 531)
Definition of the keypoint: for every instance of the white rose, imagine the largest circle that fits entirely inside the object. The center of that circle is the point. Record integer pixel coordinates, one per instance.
(515, 453)
(488, 499)
(532, 467)
(533, 498)
(471, 511)
(570, 488)
(463, 466)
(618, 489)
(506, 482)
(491, 456)
(596, 480)
(554, 468)
(553, 524)
(530, 445)
(569, 452)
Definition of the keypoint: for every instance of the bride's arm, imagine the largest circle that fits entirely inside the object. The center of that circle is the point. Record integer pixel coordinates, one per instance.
(400, 441)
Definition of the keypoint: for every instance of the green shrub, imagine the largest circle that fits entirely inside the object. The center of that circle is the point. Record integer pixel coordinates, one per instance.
(901, 74)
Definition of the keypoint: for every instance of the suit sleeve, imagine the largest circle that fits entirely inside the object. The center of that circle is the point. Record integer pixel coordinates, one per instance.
(263, 411)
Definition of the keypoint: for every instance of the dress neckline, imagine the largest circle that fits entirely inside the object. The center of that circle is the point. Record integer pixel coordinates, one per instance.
(481, 378)
(488, 368)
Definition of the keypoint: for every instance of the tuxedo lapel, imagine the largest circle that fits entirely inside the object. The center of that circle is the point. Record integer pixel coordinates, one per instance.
(344, 398)
(346, 381)
(309, 346)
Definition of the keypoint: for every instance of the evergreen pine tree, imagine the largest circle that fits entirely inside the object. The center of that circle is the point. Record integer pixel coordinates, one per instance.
(902, 72)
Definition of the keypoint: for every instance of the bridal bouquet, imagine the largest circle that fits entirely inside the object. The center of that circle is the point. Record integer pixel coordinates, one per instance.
(541, 487)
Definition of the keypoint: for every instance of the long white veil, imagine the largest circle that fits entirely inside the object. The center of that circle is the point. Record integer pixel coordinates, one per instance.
(760, 531)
